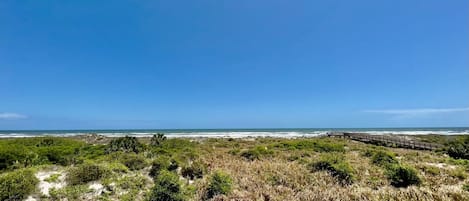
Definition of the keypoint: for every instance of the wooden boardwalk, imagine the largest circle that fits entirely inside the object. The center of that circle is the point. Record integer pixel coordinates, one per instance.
(386, 140)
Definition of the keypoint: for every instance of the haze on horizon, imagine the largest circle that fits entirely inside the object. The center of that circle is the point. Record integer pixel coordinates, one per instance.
(233, 64)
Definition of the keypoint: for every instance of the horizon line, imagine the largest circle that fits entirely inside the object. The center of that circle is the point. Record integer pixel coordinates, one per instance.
(285, 128)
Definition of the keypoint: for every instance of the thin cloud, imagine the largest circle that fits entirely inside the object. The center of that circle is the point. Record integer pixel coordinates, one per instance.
(11, 116)
(422, 111)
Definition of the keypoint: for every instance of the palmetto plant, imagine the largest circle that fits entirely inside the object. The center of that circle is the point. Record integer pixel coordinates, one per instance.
(157, 139)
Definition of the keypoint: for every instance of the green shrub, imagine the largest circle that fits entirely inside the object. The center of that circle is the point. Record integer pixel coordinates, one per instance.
(403, 176)
(159, 164)
(336, 166)
(329, 147)
(116, 167)
(85, 173)
(53, 178)
(195, 170)
(458, 173)
(234, 151)
(219, 184)
(167, 188)
(293, 157)
(320, 165)
(257, 152)
(173, 165)
(125, 144)
(132, 182)
(431, 170)
(26, 152)
(318, 145)
(91, 151)
(133, 161)
(176, 144)
(343, 172)
(458, 148)
(157, 140)
(326, 161)
(72, 193)
(182, 149)
(251, 154)
(368, 152)
(384, 158)
(17, 185)
(465, 187)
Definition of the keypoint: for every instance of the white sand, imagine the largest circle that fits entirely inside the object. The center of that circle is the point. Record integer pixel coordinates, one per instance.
(97, 188)
(45, 186)
(441, 165)
(30, 198)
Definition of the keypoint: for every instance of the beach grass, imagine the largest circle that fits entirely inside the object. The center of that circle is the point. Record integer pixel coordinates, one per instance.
(232, 169)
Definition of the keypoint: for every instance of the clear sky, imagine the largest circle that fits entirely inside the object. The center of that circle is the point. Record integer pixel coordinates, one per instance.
(233, 64)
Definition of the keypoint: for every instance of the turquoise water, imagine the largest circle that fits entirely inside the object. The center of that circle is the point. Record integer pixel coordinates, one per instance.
(267, 132)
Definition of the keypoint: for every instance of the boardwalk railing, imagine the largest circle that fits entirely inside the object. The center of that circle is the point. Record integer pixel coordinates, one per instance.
(386, 140)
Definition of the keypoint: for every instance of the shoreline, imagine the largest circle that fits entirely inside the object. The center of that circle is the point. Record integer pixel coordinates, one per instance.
(271, 133)
(93, 138)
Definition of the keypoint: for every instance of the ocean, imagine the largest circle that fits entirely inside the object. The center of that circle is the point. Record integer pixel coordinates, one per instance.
(235, 133)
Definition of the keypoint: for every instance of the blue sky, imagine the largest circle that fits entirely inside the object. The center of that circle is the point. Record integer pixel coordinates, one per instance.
(233, 64)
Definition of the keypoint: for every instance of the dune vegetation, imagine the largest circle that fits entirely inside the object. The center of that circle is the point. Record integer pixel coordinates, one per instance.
(160, 168)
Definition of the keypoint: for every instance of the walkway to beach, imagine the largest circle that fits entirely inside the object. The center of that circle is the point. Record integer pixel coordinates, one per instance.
(385, 140)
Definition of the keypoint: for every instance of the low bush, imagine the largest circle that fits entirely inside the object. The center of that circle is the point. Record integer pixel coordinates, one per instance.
(173, 165)
(368, 152)
(53, 178)
(465, 187)
(157, 140)
(398, 175)
(69, 192)
(26, 152)
(432, 170)
(403, 176)
(336, 166)
(458, 148)
(219, 184)
(17, 185)
(458, 173)
(167, 188)
(116, 167)
(384, 158)
(193, 171)
(125, 144)
(177, 144)
(234, 151)
(134, 182)
(318, 145)
(133, 161)
(93, 151)
(85, 173)
(159, 164)
(257, 152)
(250, 155)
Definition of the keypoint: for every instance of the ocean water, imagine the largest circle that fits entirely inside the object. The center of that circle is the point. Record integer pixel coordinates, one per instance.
(236, 133)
